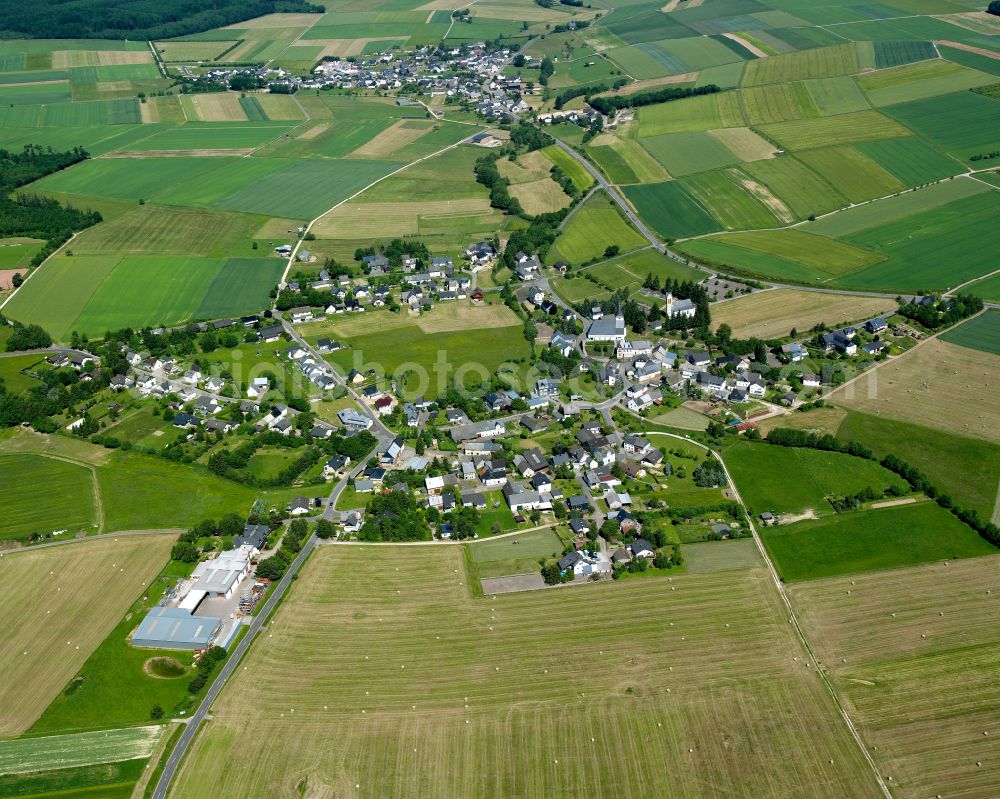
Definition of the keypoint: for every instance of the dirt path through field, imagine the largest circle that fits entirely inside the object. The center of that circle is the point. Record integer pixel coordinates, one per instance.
(238, 152)
(892, 503)
(744, 43)
(969, 48)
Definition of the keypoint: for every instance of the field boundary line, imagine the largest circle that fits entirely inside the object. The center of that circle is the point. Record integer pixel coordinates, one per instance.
(95, 485)
(878, 364)
(792, 618)
(296, 40)
(31, 274)
(99, 537)
(508, 534)
(975, 279)
(158, 60)
(298, 244)
(793, 225)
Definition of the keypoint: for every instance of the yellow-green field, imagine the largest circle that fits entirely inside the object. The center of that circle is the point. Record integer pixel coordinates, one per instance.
(913, 653)
(772, 314)
(60, 604)
(939, 385)
(381, 676)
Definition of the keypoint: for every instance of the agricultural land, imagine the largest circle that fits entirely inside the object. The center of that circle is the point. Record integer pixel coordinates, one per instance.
(524, 398)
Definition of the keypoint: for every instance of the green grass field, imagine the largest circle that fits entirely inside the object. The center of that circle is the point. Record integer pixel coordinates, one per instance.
(822, 62)
(778, 102)
(14, 369)
(686, 153)
(108, 780)
(707, 112)
(918, 81)
(981, 333)
(804, 134)
(727, 201)
(967, 469)
(910, 159)
(801, 189)
(988, 288)
(798, 255)
(426, 355)
(861, 541)
(836, 95)
(853, 174)
(963, 123)
(94, 294)
(789, 480)
(515, 554)
(306, 189)
(31, 509)
(670, 210)
(581, 178)
(128, 178)
(594, 227)
(148, 229)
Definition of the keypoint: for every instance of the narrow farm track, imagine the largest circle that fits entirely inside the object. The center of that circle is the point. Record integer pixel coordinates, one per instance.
(298, 244)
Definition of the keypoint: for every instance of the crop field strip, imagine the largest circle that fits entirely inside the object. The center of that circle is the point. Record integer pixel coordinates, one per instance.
(67, 599)
(910, 652)
(772, 314)
(939, 385)
(26, 755)
(981, 333)
(536, 723)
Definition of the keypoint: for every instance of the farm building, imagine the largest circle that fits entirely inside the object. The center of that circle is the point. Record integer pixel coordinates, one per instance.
(175, 628)
(219, 577)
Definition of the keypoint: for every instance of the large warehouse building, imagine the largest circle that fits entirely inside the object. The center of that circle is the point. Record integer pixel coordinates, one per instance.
(175, 628)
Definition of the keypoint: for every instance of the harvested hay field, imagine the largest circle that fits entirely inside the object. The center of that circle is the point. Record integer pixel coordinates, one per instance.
(744, 143)
(938, 385)
(653, 83)
(396, 136)
(772, 314)
(540, 196)
(913, 655)
(219, 153)
(374, 220)
(221, 107)
(432, 692)
(268, 22)
(342, 48)
(61, 603)
(66, 59)
(315, 131)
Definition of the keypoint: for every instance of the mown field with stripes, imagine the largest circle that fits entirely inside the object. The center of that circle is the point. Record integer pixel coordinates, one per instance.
(382, 676)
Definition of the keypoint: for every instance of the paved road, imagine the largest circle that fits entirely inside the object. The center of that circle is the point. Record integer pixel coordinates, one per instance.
(615, 195)
(379, 430)
(228, 668)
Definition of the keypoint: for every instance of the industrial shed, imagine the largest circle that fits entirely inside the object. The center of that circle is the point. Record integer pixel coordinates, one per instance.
(175, 628)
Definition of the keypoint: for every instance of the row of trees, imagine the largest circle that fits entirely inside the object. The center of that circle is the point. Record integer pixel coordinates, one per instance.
(608, 105)
(942, 314)
(917, 480)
